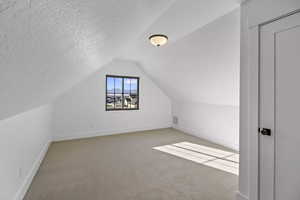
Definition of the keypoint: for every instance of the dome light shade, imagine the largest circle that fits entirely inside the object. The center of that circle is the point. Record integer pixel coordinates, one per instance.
(158, 39)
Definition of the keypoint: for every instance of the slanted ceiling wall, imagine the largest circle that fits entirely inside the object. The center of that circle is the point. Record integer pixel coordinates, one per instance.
(46, 47)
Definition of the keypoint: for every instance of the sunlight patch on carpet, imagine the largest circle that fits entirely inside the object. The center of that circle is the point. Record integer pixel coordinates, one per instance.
(208, 156)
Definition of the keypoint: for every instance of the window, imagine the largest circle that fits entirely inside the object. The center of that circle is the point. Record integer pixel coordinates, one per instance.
(122, 93)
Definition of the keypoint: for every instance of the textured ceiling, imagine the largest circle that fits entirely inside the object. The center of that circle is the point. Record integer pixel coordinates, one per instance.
(47, 46)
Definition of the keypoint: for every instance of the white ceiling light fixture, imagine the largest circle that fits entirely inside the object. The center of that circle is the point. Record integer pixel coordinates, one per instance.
(158, 39)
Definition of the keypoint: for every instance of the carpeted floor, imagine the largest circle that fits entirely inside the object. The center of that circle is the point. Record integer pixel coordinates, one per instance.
(125, 167)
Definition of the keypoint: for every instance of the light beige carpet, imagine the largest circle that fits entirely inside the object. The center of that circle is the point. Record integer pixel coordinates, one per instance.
(125, 167)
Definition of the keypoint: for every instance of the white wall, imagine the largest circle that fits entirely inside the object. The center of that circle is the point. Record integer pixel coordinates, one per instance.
(206, 96)
(24, 140)
(216, 123)
(81, 111)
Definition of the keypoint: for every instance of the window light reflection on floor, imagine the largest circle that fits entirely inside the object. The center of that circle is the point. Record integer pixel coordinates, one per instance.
(212, 157)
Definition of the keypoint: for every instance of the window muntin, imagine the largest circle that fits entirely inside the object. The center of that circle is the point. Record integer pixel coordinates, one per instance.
(122, 93)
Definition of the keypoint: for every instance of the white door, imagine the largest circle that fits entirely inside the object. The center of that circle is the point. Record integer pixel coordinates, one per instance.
(280, 109)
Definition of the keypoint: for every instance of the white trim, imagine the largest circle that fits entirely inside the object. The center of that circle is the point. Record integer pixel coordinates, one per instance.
(89, 134)
(240, 196)
(28, 180)
(254, 112)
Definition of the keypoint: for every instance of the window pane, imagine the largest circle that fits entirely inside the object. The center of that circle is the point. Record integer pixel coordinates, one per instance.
(118, 85)
(110, 85)
(133, 86)
(126, 85)
(110, 103)
(127, 101)
(134, 101)
(118, 101)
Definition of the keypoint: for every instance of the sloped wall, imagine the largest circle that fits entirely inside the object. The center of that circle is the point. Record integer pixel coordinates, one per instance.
(24, 141)
(81, 111)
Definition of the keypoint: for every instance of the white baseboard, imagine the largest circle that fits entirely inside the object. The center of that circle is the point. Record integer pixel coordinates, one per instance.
(240, 196)
(26, 183)
(90, 134)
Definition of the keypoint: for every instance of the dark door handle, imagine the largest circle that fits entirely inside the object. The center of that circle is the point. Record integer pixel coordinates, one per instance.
(265, 131)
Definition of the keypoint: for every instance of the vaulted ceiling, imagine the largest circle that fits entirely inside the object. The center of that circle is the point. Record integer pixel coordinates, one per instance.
(46, 47)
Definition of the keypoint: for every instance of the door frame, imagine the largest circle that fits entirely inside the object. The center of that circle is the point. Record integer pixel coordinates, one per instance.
(253, 104)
